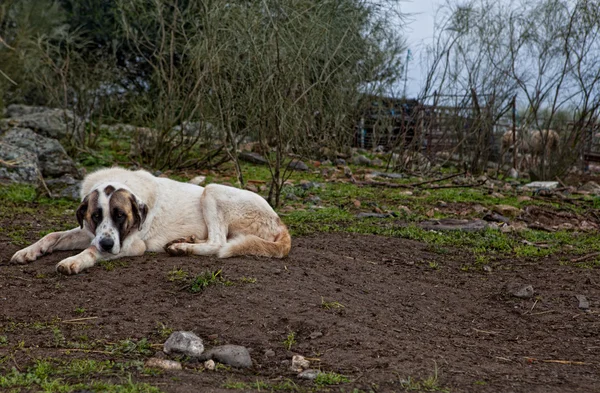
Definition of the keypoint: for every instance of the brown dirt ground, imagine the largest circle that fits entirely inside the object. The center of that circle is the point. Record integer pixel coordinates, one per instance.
(401, 317)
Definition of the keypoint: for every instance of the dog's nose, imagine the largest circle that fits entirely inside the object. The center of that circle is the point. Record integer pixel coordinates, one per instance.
(107, 244)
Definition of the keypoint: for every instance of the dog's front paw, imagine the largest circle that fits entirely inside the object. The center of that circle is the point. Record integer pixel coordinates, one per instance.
(70, 266)
(177, 249)
(28, 254)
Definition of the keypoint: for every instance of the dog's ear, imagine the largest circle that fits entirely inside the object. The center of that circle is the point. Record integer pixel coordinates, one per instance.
(81, 210)
(140, 211)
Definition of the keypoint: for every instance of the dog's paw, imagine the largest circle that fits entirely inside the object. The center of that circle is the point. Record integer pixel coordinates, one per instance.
(177, 249)
(70, 266)
(26, 255)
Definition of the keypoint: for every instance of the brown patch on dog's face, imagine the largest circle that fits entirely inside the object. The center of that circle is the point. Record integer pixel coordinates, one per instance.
(109, 190)
(89, 211)
(126, 213)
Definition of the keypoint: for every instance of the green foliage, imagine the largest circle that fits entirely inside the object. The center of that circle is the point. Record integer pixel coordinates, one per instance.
(330, 378)
(204, 280)
(131, 347)
(290, 340)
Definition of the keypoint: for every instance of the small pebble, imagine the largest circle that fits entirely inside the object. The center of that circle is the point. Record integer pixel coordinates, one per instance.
(299, 363)
(209, 365)
(164, 364)
(309, 374)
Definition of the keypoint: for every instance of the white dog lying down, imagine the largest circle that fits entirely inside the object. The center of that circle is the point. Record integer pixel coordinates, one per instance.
(126, 213)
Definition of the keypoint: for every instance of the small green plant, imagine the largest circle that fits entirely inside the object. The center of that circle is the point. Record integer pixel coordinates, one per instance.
(330, 378)
(80, 310)
(248, 280)
(434, 265)
(3, 341)
(177, 275)
(162, 330)
(330, 305)
(429, 384)
(112, 265)
(290, 340)
(131, 346)
(204, 280)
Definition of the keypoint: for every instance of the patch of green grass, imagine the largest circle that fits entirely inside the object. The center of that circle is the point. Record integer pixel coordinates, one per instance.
(80, 310)
(287, 386)
(177, 275)
(163, 330)
(3, 341)
(330, 305)
(429, 384)
(330, 378)
(17, 193)
(50, 375)
(290, 340)
(204, 280)
(114, 264)
(130, 347)
(248, 280)
(434, 265)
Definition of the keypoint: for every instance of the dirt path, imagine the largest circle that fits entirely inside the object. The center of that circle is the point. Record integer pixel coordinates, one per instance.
(406, 311)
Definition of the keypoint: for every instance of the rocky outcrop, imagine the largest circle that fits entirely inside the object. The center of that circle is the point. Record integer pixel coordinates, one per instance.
(49, 122)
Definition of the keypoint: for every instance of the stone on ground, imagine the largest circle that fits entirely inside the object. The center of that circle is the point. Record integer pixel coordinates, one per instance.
(232, 355)
(186, 343)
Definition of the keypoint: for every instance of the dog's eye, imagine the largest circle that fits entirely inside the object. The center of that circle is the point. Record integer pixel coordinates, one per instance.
(96, 217)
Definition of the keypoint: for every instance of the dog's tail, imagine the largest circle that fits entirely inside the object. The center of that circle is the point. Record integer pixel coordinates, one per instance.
(254, 245)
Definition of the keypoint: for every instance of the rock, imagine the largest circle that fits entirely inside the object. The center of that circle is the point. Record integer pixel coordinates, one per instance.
(451, 224)
(442, 204)
(254, 158)
(513, 173)
(209, 365)
(198, 180)
(291, 197)
(340, 161)
(164, 364)
(377, 162)
(496, 195)
(521, 291)
(307, 185)
(542, 185)
(591, 187)
(388, 175)
(315, 335)
(487, 268)
(356, 203)
(315, 200)
(405, 193)
(495, 217)
(524, 198)
(373, 215)
(299, 363)
(309, 374)
(52, 157)
(361, 160)
(515, 226)
(49, 122)
(584, 304)
(269, 353)
(404, 209)
(186, 343)
(347, 172)
(326, 162)
(18, 165)
(479, 208)
(298, 165)
(507, 210)
(65, 187)
(232, 355)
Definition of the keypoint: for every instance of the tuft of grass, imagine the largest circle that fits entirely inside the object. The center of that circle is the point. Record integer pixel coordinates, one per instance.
(248, 280)
(287, 386)
(330, 378)
(3, 341)
(130, 347)
(434, 265)
(204, 280)
(163, 330)
(177, 275)
(290, 340)
(112, 265)
(80, 310)
(330, 305)
(429, 384)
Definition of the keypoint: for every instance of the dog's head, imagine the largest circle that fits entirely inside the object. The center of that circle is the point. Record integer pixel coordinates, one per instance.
(111, 212)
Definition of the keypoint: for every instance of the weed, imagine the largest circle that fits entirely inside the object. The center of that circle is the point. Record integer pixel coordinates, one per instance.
(112, 265)
(162, 330)
(80, 310)
(290, 340)
(3, 341)
(248, 280)
(434, 265)
(130, 346)
(330, 378)
(177, 275)
(330, 305)
(429, 384)
(204, 280)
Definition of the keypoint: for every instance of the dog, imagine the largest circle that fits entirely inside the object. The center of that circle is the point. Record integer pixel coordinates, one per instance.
(125, 213)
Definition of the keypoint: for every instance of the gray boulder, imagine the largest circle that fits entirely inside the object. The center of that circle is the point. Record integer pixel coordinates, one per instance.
(49, 122)
(186, 343)
(233, 355)
(52, 157)
(17, 164)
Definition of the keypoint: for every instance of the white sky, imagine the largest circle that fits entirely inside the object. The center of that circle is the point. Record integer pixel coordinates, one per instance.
(418, 33)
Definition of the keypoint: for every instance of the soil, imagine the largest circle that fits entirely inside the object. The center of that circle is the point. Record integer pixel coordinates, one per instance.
(407, 312)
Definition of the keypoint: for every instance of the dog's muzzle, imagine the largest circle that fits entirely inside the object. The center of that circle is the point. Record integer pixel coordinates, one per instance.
(107, 244)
